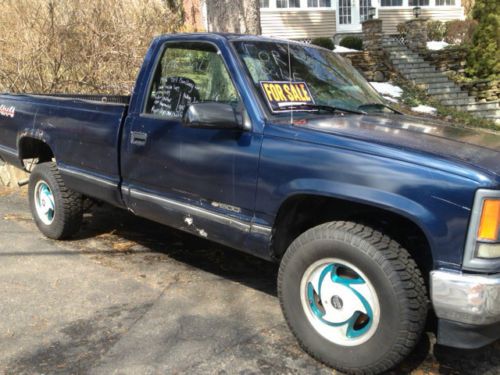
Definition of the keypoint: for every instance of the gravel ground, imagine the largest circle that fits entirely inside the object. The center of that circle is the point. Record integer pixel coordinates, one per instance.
(129, 296)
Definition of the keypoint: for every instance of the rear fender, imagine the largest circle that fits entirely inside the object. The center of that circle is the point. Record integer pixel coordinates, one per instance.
(33, 135)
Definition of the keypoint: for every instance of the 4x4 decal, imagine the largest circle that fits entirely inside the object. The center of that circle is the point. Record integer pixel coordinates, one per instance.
(7, 111)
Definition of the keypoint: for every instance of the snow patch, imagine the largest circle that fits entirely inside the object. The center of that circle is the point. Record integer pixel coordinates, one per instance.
(387, 89)
(435, 45)
(388, 98)
(340, 49)
(425, 109)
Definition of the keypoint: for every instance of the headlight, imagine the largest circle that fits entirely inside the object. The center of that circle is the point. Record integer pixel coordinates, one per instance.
(482, 250)
(488, 234)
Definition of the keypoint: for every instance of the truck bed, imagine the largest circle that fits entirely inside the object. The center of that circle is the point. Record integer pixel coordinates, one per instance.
(101, 98)
(82, 130)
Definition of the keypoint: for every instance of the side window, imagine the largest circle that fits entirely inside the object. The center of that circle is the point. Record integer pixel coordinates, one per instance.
(189, 73)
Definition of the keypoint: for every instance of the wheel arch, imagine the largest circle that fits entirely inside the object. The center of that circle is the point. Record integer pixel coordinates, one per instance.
(30, 147)
(302, 211)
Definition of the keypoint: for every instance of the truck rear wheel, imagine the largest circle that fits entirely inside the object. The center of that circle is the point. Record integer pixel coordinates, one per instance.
(57, 210)
(353, 297)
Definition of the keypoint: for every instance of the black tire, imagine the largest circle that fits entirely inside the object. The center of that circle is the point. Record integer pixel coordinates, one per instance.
(395, 278)
(68, 211)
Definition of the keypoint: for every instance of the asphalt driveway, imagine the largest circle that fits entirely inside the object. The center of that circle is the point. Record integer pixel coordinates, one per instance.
(129, 296)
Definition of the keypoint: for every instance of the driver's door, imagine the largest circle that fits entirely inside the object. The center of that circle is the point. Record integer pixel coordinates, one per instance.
(201, 180)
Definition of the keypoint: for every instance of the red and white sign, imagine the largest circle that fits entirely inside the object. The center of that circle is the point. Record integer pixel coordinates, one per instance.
(7, 111)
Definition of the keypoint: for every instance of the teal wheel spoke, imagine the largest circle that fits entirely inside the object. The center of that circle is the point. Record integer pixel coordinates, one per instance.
(340, 302)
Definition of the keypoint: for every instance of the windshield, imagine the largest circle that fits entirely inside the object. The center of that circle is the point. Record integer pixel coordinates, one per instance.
(292, 76)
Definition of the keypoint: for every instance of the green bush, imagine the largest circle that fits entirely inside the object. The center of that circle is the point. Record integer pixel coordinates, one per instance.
(484, 56)
(460, 32)
(352, 42)
(436, 30)
(323, 42)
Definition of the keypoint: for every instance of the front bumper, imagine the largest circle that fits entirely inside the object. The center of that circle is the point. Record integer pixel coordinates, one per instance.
(468, 308)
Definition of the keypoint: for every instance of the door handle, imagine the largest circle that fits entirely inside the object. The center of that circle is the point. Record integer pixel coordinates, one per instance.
(138, 138)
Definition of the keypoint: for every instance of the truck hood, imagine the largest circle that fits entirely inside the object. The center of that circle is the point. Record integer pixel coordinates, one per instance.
(480, 149)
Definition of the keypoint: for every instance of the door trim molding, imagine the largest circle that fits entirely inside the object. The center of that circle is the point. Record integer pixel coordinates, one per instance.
(86, 176)
(189, 210)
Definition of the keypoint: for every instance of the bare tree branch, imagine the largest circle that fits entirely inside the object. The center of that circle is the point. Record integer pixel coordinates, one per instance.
(68, 46)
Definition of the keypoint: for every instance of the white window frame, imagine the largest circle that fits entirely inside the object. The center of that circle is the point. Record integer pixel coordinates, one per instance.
(379, 5)
(288, 2)
(332, 5)
(422, 6)
(432, 4)
(269, 1)
(375, 4)
(457, 4)
(350, 15)
(303, 7)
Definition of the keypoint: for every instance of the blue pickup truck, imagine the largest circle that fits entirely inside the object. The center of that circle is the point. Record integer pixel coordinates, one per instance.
(381, 222)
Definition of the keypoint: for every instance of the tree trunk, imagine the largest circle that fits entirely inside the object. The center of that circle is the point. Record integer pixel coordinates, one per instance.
(468, 5)
(234, 16)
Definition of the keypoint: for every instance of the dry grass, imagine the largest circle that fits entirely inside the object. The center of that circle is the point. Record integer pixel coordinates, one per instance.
(78, 46)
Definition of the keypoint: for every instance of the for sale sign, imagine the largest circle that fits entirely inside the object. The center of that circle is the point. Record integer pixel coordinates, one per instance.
(283, 94)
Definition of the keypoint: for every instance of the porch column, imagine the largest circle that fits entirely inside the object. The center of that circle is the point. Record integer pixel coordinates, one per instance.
(416, 34)
(373, 51)
(372, 35)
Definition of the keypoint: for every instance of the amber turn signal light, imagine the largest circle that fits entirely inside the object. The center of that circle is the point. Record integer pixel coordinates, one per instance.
(489, 226)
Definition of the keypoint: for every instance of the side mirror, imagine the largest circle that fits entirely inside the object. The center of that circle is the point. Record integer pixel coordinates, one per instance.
(212, 115)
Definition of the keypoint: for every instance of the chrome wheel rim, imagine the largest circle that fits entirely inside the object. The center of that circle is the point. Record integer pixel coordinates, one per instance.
(340, 302)
(44, 203)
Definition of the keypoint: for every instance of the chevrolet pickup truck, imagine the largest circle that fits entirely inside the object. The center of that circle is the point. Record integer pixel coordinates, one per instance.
(380, 221)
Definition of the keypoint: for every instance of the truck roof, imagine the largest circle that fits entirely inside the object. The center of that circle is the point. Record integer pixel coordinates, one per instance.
(226, 36)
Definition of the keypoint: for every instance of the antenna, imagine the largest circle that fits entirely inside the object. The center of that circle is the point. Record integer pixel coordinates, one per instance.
(290, 75)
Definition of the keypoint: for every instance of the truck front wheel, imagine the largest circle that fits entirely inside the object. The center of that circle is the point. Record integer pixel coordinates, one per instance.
(353, 297)
(57, 210)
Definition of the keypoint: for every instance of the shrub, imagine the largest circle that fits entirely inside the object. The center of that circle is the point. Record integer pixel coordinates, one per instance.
(460, 32)
(484, 58)
(50, 46)
(436, 30)
(324, 42)
(402, 30)
(352, 42)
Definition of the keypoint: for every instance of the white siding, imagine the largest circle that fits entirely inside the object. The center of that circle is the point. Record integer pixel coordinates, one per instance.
(298, 24)
(394, 16)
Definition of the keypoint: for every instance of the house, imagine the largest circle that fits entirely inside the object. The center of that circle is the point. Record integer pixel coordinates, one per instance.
(303, 19)
(306, 19)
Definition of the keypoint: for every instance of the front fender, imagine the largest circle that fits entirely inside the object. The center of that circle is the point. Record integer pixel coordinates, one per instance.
(437, 201)
(398, 204)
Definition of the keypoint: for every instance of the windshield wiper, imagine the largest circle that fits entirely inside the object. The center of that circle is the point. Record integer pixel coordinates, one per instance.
(322, 107)
(379, 106)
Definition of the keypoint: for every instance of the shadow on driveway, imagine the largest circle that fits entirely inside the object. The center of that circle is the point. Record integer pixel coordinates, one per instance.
(262, 275)
(138, 235)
